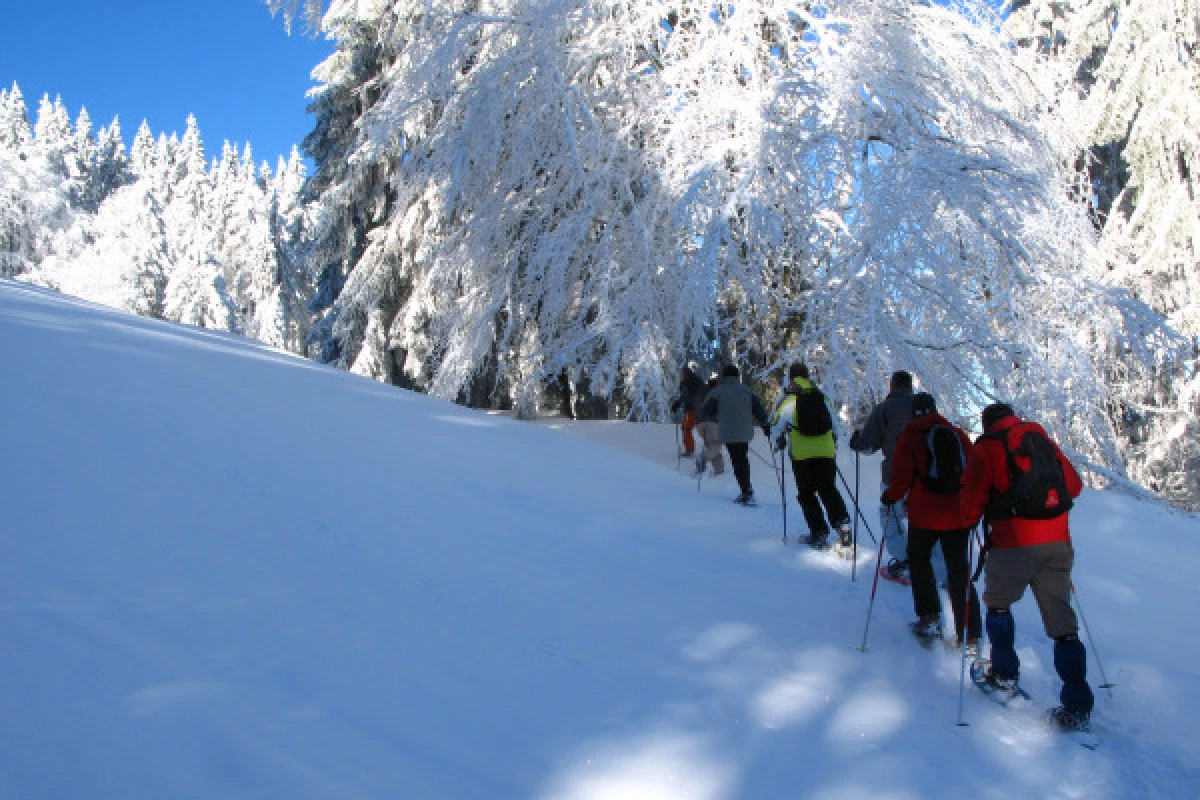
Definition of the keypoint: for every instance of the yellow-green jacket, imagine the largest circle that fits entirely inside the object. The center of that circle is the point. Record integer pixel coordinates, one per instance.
(800, 446)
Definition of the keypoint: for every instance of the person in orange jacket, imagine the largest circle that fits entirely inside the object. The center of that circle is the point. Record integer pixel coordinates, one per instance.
(927, 467)
(1018, 480)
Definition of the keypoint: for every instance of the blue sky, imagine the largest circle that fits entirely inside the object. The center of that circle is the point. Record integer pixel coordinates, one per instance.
(229, 62)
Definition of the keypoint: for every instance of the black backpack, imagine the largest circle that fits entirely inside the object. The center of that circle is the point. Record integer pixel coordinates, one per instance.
(1039, 492)
(811, 417)
(946, 460)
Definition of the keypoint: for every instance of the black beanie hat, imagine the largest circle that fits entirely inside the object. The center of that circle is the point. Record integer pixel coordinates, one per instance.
(923, 403)
(994, 413)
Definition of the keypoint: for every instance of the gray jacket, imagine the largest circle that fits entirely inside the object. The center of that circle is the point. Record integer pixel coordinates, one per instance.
(736, 410)
(883, 427)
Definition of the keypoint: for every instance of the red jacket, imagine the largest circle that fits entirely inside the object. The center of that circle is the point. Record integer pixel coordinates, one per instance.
(926, 509)
(987, 472)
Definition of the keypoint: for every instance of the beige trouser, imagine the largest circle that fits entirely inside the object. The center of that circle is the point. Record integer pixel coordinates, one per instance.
(1044, 568)
(712, 446)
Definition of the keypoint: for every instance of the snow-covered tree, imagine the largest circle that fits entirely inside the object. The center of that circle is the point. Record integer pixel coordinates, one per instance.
(108, 169)
(1126, 75)
(513, 189)
(253, 245)
(158, 232)
(118, 255)
(34, 190)
(15, 133)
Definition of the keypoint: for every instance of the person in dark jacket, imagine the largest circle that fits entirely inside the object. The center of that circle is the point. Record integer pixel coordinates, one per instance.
(691, 394)
(813, 464)
(1031, 551)
(736, 409)
(883, 427)
(934, 515)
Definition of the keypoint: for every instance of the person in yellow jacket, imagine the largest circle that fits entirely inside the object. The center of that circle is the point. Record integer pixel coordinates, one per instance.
(805, 416)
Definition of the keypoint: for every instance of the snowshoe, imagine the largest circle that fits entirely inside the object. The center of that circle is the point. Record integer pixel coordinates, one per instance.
(745, 499)
(818, 540)
(928, 630)
(896, 572)
(1004, 691)
(1069, 721)
(955, 645)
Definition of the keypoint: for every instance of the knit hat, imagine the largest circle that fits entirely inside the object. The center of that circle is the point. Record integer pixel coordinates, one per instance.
(994, 413)
(923, 403)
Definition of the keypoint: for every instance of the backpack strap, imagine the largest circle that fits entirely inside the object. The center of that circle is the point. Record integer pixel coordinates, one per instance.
(999, 504)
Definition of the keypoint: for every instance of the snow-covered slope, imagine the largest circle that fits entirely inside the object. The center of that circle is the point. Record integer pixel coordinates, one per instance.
(227, 572)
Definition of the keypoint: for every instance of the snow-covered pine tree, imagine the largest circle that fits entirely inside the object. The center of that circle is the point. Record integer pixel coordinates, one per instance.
(16, 235)
(286, 313)
(197, 290)
(249, 242)
(157, 232)
(34, 204)
(143, 153)
(15, 133)
(117, 256)
(107, 168)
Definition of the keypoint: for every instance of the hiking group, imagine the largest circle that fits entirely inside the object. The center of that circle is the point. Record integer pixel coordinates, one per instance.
(1013, 483)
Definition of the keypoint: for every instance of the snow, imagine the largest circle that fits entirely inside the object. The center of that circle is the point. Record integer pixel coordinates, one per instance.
(228, 572)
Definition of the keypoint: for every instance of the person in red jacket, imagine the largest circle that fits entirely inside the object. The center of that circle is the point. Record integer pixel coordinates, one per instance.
(934, 516)
(1018, 480)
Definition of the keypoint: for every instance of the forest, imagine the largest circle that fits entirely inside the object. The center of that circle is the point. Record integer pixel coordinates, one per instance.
(509, 197)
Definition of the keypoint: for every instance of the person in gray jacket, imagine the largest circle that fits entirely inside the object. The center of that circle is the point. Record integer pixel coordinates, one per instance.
(736, 409)
(883, 427)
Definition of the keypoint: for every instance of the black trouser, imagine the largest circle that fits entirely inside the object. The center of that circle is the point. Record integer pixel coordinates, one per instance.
(816, 485)
(926, 600)
(739, 457)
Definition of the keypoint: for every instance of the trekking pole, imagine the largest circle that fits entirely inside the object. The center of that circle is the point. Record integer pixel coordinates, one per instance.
(678, 446)
(966, 617)
(857, 511)
(871, 607)
(854, 540)
(782, 494)
(1107, 685)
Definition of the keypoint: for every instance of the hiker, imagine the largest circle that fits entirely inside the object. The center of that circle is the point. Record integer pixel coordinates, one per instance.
(1018, 480)
(691, 395)
(886, 421)
(804, 423)
(927, 468)
(706, 426)
(736, 409)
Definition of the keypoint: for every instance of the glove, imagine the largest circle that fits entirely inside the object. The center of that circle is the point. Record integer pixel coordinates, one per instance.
(675, 406)
(766, 429)
(781, 442)
(884, 501)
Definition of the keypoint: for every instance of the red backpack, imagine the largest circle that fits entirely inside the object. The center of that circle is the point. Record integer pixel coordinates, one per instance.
(1037, 485)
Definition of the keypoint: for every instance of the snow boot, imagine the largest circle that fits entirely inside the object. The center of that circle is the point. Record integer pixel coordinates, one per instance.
(745, 499)
(1070, 661)
(818, 540)
(1069, 721)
